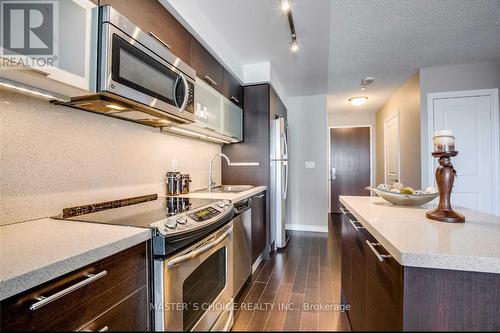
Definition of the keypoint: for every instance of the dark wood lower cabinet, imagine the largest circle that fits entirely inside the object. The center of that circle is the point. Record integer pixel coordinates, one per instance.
(259, 232)
(117, 300)
(385, 296)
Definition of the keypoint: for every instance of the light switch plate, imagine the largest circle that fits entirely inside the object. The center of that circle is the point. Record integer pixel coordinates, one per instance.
(310, 165)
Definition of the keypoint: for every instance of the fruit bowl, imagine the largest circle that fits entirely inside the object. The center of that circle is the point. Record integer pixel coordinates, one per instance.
(404, 199)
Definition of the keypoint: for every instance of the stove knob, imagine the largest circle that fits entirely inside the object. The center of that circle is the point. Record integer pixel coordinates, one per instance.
(221, 204)
(172, 224)
(226, 202)
(181, 220)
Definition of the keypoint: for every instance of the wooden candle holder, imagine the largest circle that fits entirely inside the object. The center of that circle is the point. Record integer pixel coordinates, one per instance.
(445, 177)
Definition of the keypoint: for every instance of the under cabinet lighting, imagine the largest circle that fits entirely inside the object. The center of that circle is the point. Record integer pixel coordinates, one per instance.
(115, 107)
(358, 100)
(29, 91)
(198, 135)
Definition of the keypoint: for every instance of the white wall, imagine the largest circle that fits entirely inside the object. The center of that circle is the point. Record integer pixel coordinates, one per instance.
(354, 119)
(307, 121)
(451, 78)
(53, 157)
(263, 72)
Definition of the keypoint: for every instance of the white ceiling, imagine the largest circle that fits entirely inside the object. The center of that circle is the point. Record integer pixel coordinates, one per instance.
(258, 31)
(341, 41)
(392, 39)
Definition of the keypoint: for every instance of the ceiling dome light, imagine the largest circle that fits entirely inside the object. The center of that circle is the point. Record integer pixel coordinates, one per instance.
(358, 100)
(294, 46)
(285, 5)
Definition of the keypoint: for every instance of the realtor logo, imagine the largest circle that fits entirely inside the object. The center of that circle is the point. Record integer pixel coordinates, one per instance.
(29, 29)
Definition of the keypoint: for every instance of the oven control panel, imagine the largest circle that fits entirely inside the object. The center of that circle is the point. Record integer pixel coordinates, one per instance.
(192, 220)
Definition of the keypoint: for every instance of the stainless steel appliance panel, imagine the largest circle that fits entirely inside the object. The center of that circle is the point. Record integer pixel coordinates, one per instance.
(242, 236)
(193, 289)
(279, 182)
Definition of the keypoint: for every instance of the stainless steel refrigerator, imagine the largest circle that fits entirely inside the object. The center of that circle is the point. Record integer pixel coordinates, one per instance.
(279, 182)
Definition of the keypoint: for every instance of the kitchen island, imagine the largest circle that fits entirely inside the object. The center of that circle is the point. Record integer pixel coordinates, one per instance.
(402, 271)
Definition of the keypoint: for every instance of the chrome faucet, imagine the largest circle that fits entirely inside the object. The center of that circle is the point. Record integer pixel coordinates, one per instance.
(211, 181)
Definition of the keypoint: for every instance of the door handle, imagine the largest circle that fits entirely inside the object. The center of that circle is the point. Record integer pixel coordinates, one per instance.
(177, 261)
(210, 80)
(158, 39)
(379, 256)
(42, 301)
(357, 227)
(186, 93)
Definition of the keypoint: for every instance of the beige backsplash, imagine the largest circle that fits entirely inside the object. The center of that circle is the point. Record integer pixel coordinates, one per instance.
(53, 157)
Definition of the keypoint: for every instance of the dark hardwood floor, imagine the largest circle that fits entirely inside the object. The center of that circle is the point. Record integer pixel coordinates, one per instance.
(298, 288)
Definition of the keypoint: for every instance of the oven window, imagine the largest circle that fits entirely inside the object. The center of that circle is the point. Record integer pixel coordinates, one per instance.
(202, 287)
(137, 70)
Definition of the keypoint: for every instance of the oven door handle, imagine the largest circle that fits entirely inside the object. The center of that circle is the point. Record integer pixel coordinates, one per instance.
(179, 260)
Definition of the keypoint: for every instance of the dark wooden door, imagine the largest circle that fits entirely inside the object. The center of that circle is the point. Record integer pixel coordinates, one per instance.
(231, 88)
(384, 291)
(350, 156)
(346, 260)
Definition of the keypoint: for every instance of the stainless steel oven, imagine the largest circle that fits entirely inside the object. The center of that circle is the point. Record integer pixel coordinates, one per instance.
(138, 78)
(193, 289)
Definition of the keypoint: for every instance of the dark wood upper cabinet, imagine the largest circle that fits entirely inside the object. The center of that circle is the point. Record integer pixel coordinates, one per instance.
(231, 88)
(205, 65)
(152, 17)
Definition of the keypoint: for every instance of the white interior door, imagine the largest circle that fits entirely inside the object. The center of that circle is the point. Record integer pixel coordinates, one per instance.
(391, 149)
(474, 123)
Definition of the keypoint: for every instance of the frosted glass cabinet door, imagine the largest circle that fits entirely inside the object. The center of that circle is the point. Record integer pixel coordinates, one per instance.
(233, 120)
(207, 106)
(75, 44)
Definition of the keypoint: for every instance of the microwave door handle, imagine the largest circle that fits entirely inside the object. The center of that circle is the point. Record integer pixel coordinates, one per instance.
(186, 92)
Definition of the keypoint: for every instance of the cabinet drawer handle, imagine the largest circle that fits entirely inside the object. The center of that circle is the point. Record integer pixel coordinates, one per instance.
(210, 80)
(379, 256)
(42, 301)
(357, 227)
(343, 210)
(234, 99)
(260, 196)
(158, 39)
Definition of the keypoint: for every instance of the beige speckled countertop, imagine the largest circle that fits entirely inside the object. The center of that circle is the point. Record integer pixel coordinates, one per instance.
(38, 251)
(234, 197)
(413, 240)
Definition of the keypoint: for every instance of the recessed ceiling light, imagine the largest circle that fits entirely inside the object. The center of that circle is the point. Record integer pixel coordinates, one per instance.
(294, 46)
(285, 5)
(358, 100)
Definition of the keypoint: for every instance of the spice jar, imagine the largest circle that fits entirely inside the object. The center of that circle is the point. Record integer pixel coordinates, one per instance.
(443, 141)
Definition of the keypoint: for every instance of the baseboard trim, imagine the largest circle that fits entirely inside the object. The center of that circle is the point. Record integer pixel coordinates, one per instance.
(256, 264)
(305, 227)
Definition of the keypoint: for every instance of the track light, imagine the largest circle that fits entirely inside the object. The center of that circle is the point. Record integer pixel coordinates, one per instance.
(285, 5)
(294, 46)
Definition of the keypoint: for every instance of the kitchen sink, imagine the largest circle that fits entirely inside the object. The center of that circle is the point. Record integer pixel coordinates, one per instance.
(229, 188)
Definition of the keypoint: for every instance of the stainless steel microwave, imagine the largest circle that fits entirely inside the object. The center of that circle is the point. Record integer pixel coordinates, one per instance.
(138, 78)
